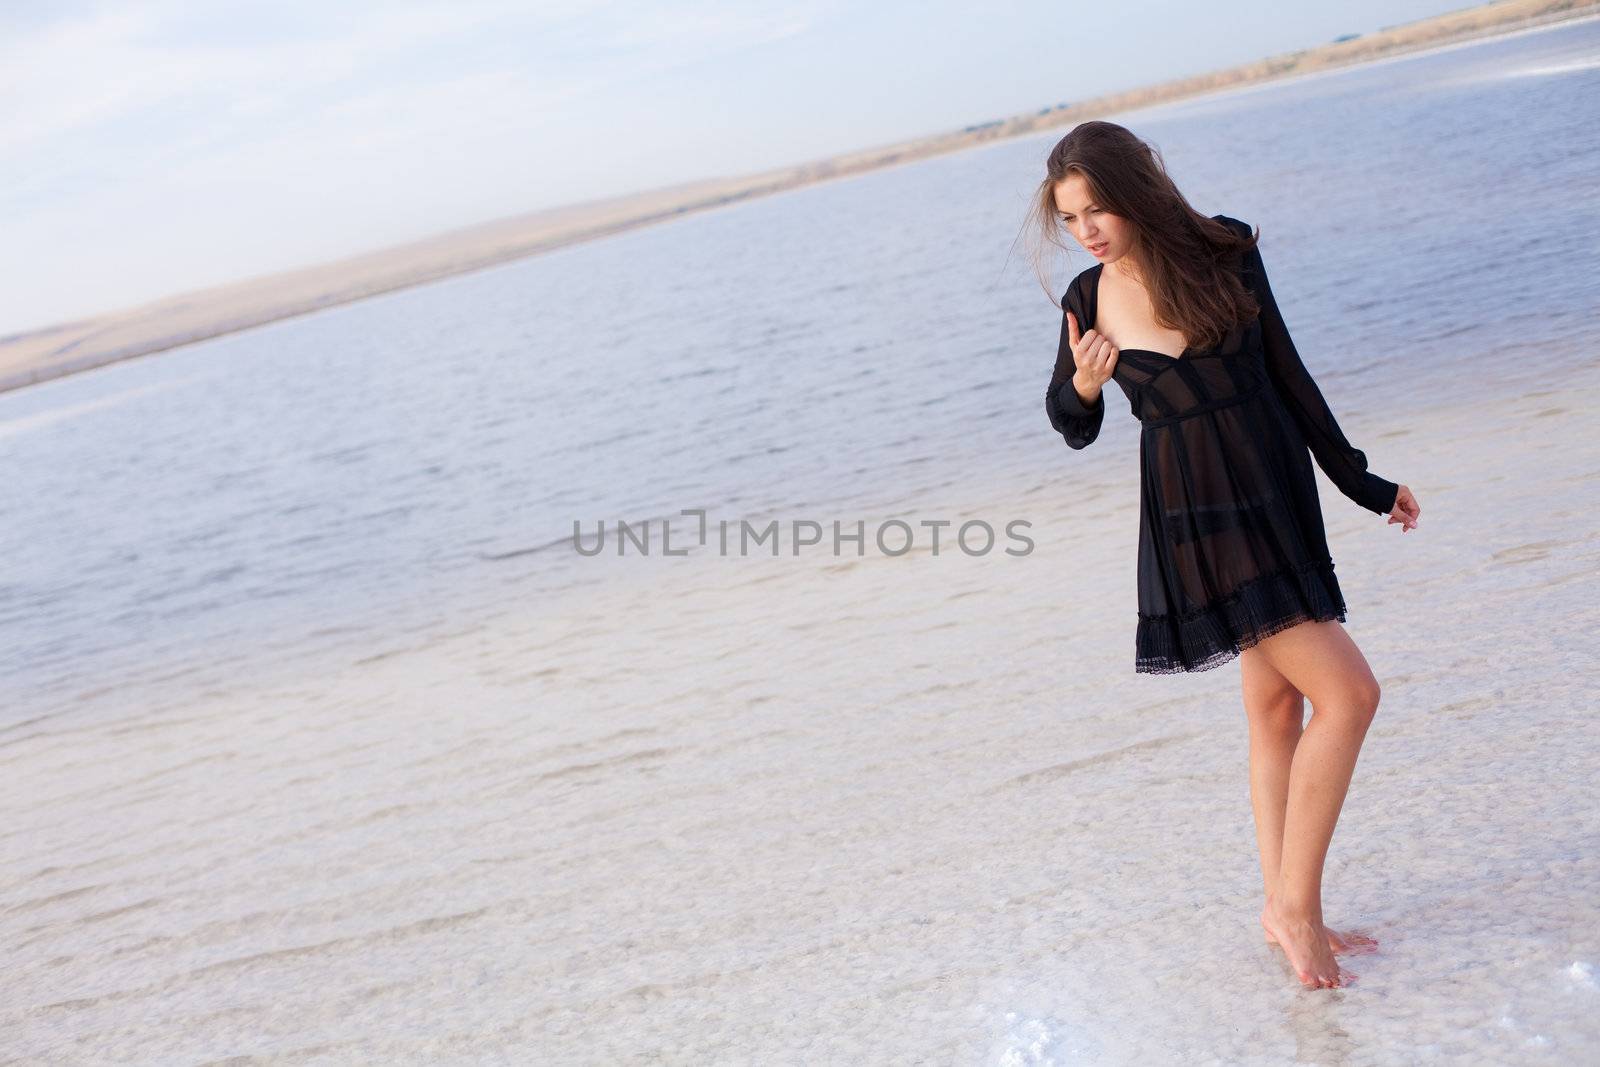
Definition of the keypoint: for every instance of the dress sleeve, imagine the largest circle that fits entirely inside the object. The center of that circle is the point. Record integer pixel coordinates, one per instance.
(1077, 425)
(1343, 463)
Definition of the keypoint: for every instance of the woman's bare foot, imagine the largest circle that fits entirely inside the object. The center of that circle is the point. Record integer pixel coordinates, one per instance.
(1306, 942)
(1350, 943)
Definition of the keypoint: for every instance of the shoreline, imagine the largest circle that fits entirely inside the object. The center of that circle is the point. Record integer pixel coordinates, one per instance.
(44, 354)
(1509, 30)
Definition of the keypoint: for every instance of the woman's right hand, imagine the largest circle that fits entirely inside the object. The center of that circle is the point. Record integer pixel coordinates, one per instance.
(1095, 356)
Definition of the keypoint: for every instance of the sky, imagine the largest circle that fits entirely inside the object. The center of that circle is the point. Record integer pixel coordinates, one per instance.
(148, 149)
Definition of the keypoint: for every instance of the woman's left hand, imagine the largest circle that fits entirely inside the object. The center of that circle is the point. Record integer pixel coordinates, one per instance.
(1406, 509)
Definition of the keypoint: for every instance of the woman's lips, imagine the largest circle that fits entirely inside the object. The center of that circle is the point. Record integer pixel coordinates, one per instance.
(1097, 249)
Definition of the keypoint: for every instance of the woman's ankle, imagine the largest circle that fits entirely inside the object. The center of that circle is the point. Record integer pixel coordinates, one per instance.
(1289, 905)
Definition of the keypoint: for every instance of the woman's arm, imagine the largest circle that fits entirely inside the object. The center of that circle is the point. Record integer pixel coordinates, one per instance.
(1077, 423)
(1344, 464)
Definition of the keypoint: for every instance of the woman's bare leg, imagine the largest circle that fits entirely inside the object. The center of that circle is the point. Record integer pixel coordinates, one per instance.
(1321, 661)
(1275, 710)
(1276, 713)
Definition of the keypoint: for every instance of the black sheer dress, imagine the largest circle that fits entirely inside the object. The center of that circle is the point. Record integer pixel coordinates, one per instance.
(1231, 542)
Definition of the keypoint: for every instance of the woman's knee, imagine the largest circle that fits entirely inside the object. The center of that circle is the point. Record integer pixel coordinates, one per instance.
(1281, 713)
(1364, 697)
(1270, 701)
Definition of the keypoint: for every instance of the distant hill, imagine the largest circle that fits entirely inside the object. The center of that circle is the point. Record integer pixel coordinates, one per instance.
(37, 355)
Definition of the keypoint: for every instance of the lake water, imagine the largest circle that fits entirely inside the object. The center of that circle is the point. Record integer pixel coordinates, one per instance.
(320, 741)
(325, 483)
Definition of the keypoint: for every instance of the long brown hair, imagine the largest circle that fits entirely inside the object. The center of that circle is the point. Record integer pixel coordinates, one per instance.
(1187, 261)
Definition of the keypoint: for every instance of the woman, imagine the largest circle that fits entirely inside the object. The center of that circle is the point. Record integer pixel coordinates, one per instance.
(1233, 560)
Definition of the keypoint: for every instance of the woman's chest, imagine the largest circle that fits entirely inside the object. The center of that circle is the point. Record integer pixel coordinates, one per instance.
(1124, 316)
(1159, 386)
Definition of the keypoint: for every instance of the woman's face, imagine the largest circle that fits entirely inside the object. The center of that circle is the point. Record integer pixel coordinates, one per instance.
(1103, 235)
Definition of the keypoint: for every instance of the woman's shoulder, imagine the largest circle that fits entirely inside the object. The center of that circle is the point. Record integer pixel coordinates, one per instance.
(1241, 228)
(1081, 282)
(1245, 257)
(1073, 299)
